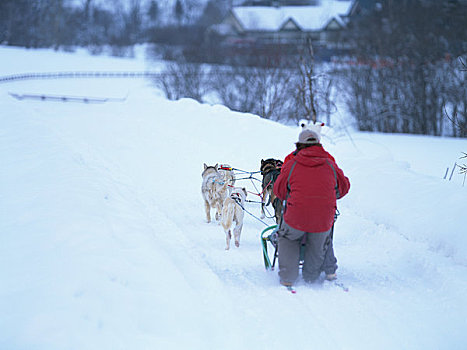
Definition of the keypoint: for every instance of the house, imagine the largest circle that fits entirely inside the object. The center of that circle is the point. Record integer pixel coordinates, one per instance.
(323, 21)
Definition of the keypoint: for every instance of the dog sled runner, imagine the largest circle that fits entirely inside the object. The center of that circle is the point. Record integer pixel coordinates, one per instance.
(269, 237)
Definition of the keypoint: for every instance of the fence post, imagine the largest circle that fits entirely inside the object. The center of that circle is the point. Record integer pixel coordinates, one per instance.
(446, 174)
(452, 172)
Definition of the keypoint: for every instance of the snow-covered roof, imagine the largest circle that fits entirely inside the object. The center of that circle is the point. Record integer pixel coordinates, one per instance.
(307, 18)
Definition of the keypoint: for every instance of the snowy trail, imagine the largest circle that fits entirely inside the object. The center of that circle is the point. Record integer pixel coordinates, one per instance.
(239, 273)
(104, 243)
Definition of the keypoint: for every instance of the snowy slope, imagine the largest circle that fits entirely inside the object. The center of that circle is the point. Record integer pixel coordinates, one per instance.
(103, 242)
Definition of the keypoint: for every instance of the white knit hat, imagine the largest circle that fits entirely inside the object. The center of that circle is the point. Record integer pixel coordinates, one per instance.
(310, 134)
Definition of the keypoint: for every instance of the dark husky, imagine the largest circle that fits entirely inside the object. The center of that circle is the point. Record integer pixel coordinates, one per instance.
(270, 169)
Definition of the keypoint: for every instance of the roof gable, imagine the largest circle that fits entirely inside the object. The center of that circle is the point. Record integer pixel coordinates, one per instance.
(307, 18)
(290, 25)
(334, 24)
(233, 21)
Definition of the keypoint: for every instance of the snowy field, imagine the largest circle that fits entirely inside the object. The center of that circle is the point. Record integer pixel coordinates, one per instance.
(104, 244)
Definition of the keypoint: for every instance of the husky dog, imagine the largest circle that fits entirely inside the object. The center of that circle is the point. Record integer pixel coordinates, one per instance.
(270, 169)
(214, 191)
(233, 211)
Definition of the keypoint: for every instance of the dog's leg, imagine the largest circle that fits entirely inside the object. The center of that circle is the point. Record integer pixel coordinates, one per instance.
(219, 205)
(263, 203)
(207, 209)
(228, 236)
(277, 204)
(218, 211)
(237, 232)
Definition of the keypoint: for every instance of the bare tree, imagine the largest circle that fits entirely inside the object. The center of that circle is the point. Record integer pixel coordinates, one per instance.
(325, 96)
(460, 123)
(306, 82)
(274, 101)
(463, 167)
(181, 79)
(178, 11)
(236, 87)
(314, 88)
(402, 72)
(262, 90)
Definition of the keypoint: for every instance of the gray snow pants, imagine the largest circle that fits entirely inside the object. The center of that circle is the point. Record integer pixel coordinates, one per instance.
(319, 254)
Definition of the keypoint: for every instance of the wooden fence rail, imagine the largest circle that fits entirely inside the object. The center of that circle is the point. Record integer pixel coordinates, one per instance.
(83, 74)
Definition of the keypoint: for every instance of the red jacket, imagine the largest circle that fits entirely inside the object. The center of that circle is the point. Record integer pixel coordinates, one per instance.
(311, 202)
(289, 157)
(294, 153)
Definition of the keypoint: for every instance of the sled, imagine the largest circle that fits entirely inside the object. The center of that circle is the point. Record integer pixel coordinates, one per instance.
(269, 237)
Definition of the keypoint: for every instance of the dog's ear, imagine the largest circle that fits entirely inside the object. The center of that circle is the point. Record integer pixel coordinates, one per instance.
(262, 161)
(215, 166)
(205, 166)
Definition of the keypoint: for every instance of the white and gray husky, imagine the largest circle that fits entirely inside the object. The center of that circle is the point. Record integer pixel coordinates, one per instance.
(233, 212)
(214, 190)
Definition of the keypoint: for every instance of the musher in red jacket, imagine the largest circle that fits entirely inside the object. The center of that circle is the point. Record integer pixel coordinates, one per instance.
(310, 181)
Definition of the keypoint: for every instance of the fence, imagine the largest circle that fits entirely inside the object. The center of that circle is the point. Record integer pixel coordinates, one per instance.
(88, 74)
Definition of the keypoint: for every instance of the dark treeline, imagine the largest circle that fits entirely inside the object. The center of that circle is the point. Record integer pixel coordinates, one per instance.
(258, 83)
(55, 23)
(406, 70)
(52, 23)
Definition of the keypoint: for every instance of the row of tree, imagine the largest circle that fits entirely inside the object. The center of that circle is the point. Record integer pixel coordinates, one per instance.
(61, 23)
(405, 71)
(403, 74)
(264, 86)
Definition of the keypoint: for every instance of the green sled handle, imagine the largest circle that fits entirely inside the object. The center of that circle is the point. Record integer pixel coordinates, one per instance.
(264, 243)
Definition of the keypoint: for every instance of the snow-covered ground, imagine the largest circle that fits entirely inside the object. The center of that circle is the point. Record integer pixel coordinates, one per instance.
(104, 244)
